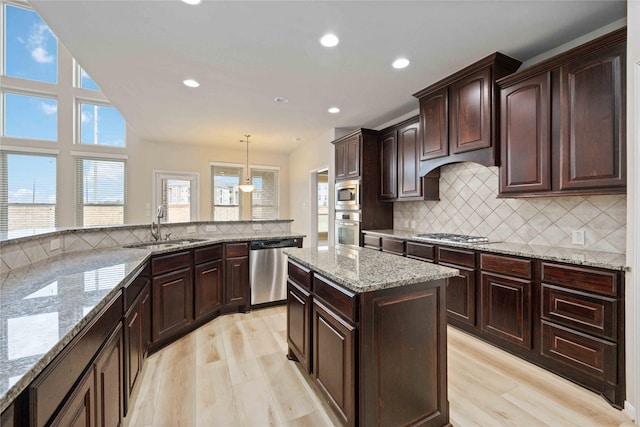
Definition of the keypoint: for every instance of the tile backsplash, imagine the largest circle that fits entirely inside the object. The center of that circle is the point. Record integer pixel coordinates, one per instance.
(469, 205)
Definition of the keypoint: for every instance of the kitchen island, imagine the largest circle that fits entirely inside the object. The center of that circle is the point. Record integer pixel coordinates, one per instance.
(370, 330)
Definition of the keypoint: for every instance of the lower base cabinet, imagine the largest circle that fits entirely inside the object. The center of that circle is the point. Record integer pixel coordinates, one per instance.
(298, 324)
(379, 358)
(80, 408)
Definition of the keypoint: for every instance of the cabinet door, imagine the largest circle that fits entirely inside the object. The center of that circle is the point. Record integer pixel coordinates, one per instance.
(334, 361)
(592, 121)
(79, 409)
(236, 284)
(298, 326)
(525, 139)
(208, 288)
(506, 308)
(172, 303)
(409, 179)
(434, 125)
(388, 166)
(470, 112)
(133, 349)
(341, 160)
(461, 295)
(109, 390)
(145, 314)
(352, 152)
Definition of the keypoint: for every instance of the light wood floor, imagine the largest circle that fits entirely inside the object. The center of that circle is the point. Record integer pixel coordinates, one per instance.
(233, 372)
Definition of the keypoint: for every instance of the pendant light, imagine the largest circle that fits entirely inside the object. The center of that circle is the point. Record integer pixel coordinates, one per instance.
(247, 187)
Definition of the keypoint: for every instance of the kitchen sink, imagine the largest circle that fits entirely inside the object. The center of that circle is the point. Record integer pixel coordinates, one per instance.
(154, 246)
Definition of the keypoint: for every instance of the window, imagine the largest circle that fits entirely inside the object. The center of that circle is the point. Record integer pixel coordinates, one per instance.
(27, 192)
(84, 81)
(100, 191)
(101, 125)
(31, 49)
(264, 199)
(33, 117)
(226, 199)
(177, 192)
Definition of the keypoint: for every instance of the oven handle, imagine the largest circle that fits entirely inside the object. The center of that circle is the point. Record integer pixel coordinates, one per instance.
(347, 223)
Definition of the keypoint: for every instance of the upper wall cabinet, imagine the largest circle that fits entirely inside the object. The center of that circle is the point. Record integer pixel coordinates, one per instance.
(563, 123)
(457, 115)
(347, 153)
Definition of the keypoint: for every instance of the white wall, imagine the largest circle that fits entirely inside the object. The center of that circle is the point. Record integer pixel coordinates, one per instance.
(146, 156)
(632, 297)
(314, 155)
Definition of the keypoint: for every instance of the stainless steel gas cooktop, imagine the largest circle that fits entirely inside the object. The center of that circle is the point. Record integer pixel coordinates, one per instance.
(459, 238)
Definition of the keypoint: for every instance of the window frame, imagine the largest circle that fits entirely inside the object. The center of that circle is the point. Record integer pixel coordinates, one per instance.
(79, 177)
(193, 177)
(77, 131)
(241, 204)
(266, 168)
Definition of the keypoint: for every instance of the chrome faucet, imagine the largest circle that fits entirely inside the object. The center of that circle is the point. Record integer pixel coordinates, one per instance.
(155, 229)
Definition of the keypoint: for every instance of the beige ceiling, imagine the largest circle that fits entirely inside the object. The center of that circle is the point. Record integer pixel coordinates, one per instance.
(245, 54)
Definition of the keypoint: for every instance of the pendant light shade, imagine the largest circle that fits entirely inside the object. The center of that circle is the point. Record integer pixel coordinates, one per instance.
(247, 187)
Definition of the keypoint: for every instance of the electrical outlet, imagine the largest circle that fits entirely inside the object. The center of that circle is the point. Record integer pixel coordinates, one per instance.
(406, 223)
(191, 229)
(54, 245)
(413, 224)
(209, 228)
(257, 227)
(577, 237)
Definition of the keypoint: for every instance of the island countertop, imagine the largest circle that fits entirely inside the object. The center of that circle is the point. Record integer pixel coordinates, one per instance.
(365, 270)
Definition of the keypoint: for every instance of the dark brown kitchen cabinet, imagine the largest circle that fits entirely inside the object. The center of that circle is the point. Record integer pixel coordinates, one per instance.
(109, 387)
(434, 124)
(389, 165)
(172, 303)
(298, 324)
(347, 155)
(207, 281)
(80, 408)
(7, 418)
(525, 116)
(563, 123)
(458, 115)
(334, 361)
(399, 165)
(394, 246)
(133, 348)
(236, 275)
(461, 289)
(507, 298)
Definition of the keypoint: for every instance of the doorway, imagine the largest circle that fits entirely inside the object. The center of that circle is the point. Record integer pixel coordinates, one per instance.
(323, 208)
(177, 192)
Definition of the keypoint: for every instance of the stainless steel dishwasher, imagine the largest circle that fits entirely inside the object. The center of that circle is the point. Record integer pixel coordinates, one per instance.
(268, 270)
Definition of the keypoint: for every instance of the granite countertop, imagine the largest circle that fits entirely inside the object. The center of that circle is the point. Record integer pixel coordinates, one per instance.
(44, 305)
(365, 270)
(576, 256)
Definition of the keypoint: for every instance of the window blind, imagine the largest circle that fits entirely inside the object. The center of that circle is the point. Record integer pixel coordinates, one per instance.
(264, 199)
(226, 200)
(100, 191)
(28, 193)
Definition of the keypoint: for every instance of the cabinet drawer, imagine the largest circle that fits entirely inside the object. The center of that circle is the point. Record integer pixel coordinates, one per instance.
(393, 245)
(210, 253)
(457, 257)
(371, 241)
(133, 288)
(170, 262)
(506, 265)
(586, 279)
(582, 352)
(421, 251)
(585, 312)
(342, 300)
(299, 275)
(237, 249)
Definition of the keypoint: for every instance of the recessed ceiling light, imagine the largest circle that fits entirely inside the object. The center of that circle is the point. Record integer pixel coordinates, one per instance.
(334, 110)
(400, 63)
(329, 40)
(191, 83)
(281, 100)
(297, 139)
(192, 2)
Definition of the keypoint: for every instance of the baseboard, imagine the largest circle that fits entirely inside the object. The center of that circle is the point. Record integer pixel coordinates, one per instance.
(630, 411)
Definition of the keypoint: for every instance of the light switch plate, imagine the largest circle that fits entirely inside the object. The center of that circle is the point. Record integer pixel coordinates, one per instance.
(210, 228)
(577, 237)
(191, 229)
(257, 227)
(54, 245)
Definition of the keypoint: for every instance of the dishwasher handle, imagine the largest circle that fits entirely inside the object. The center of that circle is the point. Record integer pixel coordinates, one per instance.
(273, 244)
